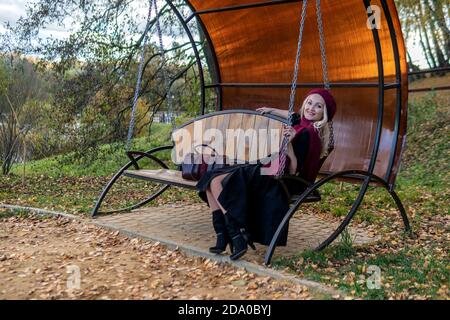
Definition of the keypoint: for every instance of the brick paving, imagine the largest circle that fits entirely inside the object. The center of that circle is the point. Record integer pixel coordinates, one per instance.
(190, 224)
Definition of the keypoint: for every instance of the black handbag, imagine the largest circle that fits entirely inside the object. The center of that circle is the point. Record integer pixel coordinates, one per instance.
(196, 164)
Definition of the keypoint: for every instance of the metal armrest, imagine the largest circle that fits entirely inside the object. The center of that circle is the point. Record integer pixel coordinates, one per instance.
(141, 154)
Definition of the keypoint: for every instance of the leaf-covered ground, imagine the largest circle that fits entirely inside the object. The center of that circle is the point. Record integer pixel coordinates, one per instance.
(409, 267)
(40, 258)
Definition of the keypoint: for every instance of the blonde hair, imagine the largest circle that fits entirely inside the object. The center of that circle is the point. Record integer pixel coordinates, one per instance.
(324, 129)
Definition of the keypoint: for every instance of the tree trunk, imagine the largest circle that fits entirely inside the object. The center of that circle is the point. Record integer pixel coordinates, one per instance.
(436, 12)
(425, 51)
(434, 36)
(423, 29)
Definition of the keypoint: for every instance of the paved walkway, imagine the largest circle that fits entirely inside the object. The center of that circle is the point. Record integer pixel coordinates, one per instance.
(191, 225)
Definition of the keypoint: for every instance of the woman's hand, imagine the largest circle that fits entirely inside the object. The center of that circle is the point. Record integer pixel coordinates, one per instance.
(264, 110)
(289, 132)
(274, 111)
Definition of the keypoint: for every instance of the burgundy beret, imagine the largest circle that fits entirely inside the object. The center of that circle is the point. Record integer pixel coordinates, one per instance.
(329, 101)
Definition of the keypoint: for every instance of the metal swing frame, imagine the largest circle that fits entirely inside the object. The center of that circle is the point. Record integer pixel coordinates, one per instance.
(364, 178)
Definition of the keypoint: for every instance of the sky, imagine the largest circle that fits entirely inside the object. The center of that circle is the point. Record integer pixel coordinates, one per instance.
(11, 10)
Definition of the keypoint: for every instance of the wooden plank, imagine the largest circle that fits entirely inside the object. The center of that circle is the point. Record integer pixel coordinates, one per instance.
(210, 132)
(252, 147)
(232, 135)
(198, 134)
(223, 122)
(182, 144)
(275, 137)
(164, 176)
(183, 139)
(245, 137)
(261, 126)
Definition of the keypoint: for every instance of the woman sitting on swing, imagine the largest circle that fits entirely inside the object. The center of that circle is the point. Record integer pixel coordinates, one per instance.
(248, 205)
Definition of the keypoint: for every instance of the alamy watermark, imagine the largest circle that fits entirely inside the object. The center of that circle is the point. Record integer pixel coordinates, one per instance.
(73, 278)
(374, 20)
(373, 282)
(230, 146)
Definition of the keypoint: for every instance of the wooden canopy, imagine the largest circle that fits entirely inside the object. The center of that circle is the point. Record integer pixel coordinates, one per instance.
(253, 45)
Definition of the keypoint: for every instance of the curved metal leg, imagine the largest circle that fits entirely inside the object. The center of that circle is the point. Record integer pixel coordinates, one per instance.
(402, 210)
(367, 179)
(281, 227)
(108, 186)
(105, 191)
(396, 198)
(136, 206)
(348, 218)
(353, 210)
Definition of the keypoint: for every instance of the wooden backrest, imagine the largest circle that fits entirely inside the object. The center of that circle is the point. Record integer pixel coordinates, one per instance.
(241, 135)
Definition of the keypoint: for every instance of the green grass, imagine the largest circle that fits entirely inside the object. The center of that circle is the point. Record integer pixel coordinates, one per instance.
(410, 273)
(21, 213)
(72, 184)
(77, 195)
(106, 160)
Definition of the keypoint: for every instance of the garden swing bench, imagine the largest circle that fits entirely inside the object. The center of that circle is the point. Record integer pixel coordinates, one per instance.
(367, 65)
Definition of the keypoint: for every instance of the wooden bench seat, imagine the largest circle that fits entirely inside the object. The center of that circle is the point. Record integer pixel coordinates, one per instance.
(173, 177)
(243, 147)
(164, 176)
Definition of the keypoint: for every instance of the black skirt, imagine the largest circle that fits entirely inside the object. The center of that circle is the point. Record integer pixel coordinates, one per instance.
(257, 202)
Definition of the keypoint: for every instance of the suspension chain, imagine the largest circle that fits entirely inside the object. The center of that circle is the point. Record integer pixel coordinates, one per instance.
(139, 80)
(165, 73)
(322, 46)
(324, 64)
(285, 142)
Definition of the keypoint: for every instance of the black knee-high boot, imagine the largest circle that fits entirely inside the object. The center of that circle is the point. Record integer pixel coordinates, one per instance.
(223, 239)
(239, 238)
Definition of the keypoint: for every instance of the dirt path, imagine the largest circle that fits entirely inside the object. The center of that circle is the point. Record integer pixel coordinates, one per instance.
(39, 258)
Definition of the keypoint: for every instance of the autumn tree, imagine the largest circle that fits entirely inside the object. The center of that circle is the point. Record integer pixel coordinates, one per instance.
(97, 63)
(428, 20)
(21, 90)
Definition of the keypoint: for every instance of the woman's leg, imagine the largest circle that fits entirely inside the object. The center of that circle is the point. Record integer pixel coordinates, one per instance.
(213, 205)
(238, 240)
(218, 220)
(215, 191)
